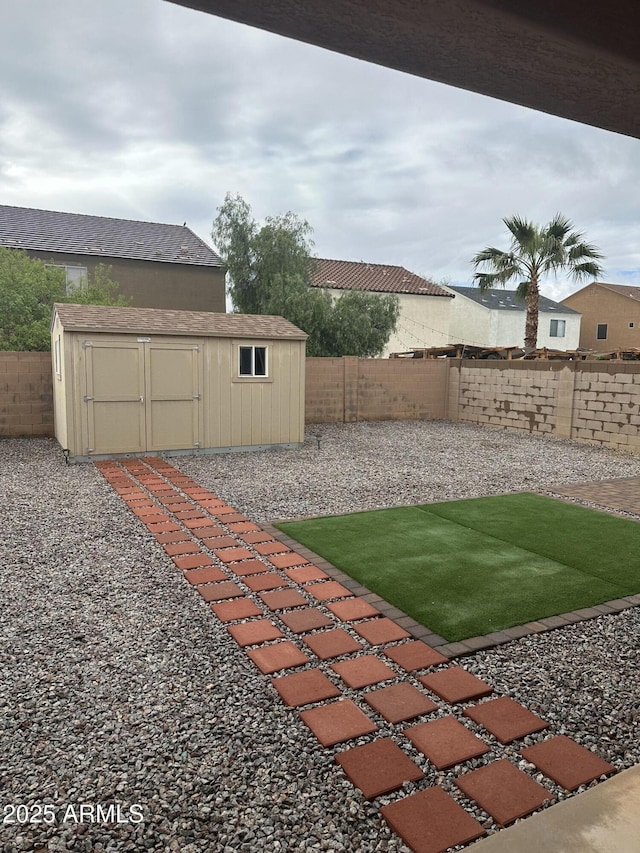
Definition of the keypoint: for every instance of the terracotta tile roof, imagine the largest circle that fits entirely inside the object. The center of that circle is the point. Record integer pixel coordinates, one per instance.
(498, 299)
(621, 289)
(377, 278)
(100, 236)
(143, 321)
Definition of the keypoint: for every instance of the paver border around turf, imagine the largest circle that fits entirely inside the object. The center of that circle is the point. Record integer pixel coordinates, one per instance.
(459, 648)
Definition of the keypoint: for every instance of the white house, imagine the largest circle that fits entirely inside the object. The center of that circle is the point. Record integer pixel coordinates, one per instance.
(496, 318)
(424, 306)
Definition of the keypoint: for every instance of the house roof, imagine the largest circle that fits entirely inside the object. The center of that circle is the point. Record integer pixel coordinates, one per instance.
(101, 236)
(376, 278)
(621, 289)
(107, 318)
(497, 299)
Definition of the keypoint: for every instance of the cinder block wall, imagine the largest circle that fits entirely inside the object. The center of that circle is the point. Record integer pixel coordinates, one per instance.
(356, 389)
(26, 393)
(597, 402)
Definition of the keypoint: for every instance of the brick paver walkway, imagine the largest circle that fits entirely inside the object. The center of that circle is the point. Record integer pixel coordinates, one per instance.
(297, 624)
(622, 495)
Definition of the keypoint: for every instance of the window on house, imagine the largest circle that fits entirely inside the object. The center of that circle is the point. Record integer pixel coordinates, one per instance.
(601, 332)
(76, 277)
(557, 328)
(252, 361)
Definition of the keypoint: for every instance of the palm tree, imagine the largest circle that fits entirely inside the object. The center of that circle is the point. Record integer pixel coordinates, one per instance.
(534, 253)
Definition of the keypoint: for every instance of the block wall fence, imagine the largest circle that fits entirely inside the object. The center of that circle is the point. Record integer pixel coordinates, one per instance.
(595, 402)
(26, 393)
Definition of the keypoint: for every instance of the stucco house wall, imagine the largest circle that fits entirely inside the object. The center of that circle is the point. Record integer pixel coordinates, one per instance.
(615, 306)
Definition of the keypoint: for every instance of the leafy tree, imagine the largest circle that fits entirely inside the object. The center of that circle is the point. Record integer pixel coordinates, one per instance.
(28, 289)
(534, 253)
(270, 269)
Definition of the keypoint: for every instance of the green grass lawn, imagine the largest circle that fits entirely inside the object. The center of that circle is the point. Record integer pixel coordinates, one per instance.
(471, 567)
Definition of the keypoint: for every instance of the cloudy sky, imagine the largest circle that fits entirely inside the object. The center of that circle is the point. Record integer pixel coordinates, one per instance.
(144, 110)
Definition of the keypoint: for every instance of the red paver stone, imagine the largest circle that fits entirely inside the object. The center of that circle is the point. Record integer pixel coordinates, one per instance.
(363, 671)
(218, 541)
(174, 549)
(352, 609)
(328, 590)
(240, 608)
(455, 684)
(257, 536)
(163, 527)
(232, 518)
(208, 575)
(181, 506)
(378, 768)
(431, 821)
(270, 580)
(272, 547)
(199, 522)
(446, 742)
(337, 722)
(303, 688)
(378, 631)
(167, 538)
(243, 527)
(249, 567)
(207, 534)
(233, 555)
(156, 518)
(146, 509)
(252, 633)
(305, 619)
(506, 719)
(283, 599)
(503, 791)
(220, 591)
(304, 574)
(566, 762)
(415, 655)
(332, 644)
(400, 702)
(183, 515)
(278, 656)
(192, 561)
(287, 561)
(223, 509)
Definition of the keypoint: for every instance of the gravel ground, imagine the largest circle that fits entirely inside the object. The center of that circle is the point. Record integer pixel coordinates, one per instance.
(118, 687)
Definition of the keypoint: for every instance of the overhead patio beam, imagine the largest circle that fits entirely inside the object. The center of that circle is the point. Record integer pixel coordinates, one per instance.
(578, 59)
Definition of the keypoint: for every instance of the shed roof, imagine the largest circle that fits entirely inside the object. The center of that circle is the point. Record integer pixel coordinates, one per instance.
(101, 236)
(376, 278)
(143, 321)
(508, 300)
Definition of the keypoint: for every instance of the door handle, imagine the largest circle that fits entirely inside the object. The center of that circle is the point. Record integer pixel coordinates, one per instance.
(141, 399)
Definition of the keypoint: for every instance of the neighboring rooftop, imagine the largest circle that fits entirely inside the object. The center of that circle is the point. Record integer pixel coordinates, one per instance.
(508, 300)
(376, 278)
(622, 289)
(100, 236)
(107, 318)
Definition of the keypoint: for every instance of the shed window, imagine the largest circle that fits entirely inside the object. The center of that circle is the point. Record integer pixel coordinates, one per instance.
(252, 361)
(601, 332)
(557, 328)
(56, 357)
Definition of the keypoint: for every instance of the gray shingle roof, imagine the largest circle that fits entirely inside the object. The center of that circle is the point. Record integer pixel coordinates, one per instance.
(508, 300)
(376, 278)
(143, 321)
(100, 236)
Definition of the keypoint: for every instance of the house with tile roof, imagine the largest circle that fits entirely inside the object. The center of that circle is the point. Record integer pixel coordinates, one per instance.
(156, 265)
(610, 315)
(424, 306)
(496, 318)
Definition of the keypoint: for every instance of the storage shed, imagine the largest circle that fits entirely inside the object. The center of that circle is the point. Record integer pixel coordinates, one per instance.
(139, 380)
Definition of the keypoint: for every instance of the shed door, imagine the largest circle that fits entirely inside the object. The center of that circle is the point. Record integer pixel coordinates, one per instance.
(172, 379)
(115, 397)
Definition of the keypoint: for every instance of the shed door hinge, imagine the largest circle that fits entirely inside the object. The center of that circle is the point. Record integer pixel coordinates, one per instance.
(196, 444)
(86, 344)
(196, 348)
(87, 399)
(196, 396)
